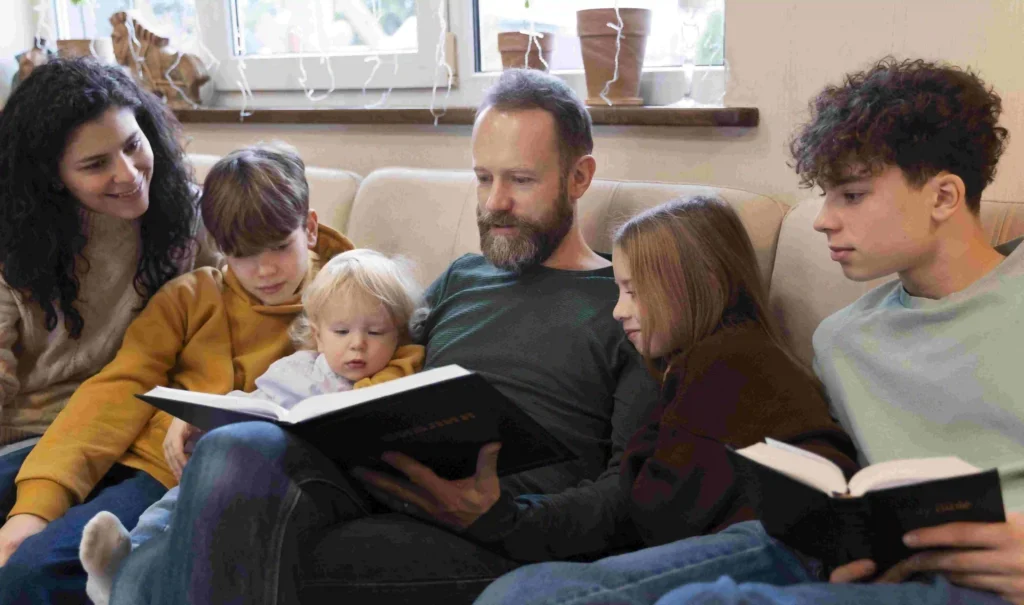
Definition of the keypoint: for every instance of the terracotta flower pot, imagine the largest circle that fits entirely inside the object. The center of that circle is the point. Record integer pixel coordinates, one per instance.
(104, 48)
(513, 47)
(597, 42)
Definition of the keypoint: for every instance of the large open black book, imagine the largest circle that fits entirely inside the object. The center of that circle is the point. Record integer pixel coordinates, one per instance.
(440, 417)
(805, 501)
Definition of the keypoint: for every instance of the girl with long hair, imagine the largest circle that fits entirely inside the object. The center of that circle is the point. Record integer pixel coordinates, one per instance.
(692, 301)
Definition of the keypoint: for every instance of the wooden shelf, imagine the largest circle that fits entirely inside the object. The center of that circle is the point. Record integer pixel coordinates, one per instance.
(745, 117)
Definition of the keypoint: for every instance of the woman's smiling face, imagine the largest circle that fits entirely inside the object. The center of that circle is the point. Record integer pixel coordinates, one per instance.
(107, 165)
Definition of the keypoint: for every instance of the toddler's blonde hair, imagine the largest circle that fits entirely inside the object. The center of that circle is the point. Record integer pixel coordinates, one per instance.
(364, 276)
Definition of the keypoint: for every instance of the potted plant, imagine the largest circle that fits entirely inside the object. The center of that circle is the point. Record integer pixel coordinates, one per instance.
(101, 48)
(520, 49)
(607, 43)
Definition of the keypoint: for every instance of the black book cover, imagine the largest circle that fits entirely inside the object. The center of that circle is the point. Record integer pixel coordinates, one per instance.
(442, 425)
(838, 530)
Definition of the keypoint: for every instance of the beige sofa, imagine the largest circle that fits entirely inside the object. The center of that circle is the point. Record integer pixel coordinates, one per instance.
(428, 216)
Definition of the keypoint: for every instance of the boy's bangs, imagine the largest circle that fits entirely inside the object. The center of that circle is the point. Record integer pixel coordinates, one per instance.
(264, 225)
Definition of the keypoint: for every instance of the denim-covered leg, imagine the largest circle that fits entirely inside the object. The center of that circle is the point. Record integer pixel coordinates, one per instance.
(135, 581)
(12, 456)
(156, 520)
(644, 576)
(250, 498)
(726, 591)
(46, 569)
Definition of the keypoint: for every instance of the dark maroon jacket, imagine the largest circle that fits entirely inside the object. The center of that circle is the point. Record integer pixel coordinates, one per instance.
(736, 387)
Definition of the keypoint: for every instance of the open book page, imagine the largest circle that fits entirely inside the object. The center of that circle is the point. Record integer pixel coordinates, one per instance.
(801, 465)
(331, 402)
(895, 473)
(251, 405)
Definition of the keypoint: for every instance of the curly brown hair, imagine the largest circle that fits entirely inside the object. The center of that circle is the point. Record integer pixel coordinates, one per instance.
(923, 117)
(41, 232)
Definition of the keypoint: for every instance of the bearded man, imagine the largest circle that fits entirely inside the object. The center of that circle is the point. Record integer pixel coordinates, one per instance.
(265, 518)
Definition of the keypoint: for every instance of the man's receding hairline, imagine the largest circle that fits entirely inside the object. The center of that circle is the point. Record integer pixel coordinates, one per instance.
(553, 129)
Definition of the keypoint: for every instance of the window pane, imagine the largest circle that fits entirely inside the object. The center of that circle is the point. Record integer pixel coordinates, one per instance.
(283, 27)
(172, 18)
(680, 29)
(85, 22)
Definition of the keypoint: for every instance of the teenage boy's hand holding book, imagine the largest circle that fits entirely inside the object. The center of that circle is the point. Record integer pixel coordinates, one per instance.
(986, 556)
(806, 502)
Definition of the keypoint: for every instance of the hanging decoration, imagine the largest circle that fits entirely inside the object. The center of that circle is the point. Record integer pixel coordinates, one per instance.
(618, 50)
(375, 9)
(375, 59)
(242, 82)
(441, 61)
(534, 38)
(325, 59)
(193, 99)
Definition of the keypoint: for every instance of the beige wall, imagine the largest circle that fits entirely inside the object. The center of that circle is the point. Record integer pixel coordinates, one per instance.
(781, 52)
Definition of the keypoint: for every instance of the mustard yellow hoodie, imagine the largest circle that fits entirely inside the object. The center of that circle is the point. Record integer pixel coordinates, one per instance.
(201, 332)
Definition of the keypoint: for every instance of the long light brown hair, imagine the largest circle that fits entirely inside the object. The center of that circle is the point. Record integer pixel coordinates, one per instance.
(694, 272)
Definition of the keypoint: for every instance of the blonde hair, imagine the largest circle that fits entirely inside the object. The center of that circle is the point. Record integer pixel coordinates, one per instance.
(255, 197)
(371, 277)
(694, 271)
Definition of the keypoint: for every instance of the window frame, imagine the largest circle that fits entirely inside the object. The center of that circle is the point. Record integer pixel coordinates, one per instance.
(276, 79)
(280, 73)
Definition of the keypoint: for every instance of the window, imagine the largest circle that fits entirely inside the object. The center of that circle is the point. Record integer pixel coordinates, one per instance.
(348, 27)
(88, 21)
(282, 47)
(312, 45)
(319, 45)
(680, 29)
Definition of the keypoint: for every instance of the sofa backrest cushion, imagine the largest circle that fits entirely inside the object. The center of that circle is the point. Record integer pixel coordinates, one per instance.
(331, 191)
(429, 216)
(807, 286)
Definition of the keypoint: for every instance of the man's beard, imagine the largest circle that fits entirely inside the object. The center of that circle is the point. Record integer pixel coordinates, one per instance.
(534, 243)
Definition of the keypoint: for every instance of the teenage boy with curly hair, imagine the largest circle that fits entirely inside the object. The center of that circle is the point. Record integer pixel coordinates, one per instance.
(925, 365)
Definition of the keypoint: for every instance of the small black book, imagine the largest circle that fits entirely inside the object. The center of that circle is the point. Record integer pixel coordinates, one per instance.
(804, 500)
(440, 417)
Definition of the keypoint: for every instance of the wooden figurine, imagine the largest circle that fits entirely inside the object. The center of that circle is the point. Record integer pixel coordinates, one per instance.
(149, 58)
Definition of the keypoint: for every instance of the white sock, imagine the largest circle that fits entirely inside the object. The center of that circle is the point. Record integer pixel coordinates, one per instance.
(105, 544)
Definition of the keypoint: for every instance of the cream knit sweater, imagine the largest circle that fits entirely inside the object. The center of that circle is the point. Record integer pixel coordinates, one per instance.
(39, 370)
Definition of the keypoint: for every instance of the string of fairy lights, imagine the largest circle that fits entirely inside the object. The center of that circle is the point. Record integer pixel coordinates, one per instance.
(444, 74)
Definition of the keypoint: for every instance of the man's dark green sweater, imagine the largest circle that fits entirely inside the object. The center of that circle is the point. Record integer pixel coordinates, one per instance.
(546, 338)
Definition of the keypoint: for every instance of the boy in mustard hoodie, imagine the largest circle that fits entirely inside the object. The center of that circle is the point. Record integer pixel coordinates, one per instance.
(212, 330)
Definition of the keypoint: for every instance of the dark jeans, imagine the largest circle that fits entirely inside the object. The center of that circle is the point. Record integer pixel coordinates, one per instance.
(10, 464)
(264, 518)
(45, 568)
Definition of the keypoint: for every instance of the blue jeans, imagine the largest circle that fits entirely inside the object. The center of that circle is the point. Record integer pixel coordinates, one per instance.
(45, 568)
(264, 518)
(741, 564)
(10, 463)
(725, 591)
(743, 550)
(156, 519)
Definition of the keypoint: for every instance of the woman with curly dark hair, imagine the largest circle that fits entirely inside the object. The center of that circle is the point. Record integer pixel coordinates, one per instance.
(97, 211)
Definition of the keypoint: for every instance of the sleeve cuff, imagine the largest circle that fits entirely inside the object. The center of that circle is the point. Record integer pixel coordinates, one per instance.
(497, 522)
(43, 498)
